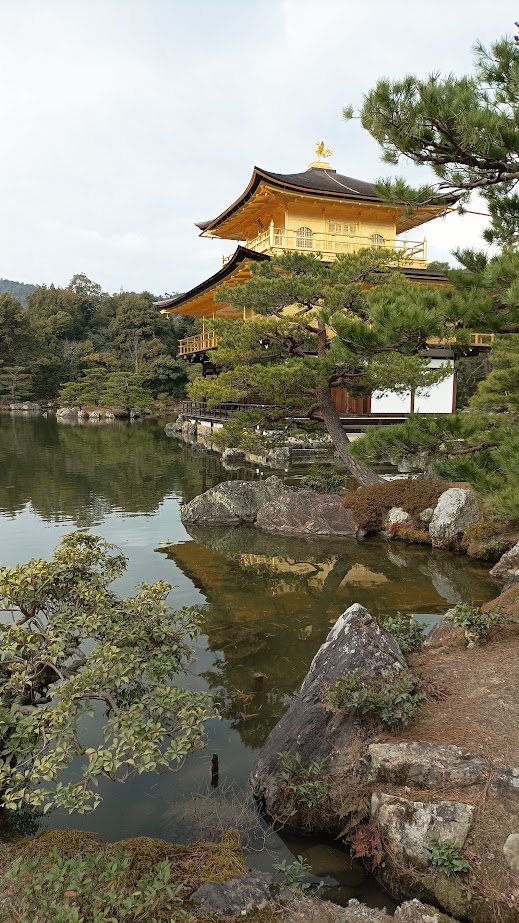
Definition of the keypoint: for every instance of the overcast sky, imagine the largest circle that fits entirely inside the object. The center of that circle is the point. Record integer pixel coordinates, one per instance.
(125, 121)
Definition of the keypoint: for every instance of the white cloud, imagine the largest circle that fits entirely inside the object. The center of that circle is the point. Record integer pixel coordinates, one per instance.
(125, 121)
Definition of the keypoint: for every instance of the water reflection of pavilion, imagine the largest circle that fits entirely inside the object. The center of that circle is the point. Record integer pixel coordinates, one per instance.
(271, 601)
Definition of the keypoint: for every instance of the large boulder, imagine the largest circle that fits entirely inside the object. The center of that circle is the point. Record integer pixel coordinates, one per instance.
(406, 826)
(271, 506)
(310, 730)
(299, 512)
(456, 509)
(239, 895)
(417, 763)
(508, 564)
(231, 503)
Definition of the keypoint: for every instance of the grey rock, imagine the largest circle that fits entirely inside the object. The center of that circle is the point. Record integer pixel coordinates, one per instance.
(456, 509)
(508, 564)
(233, 455)
(30, 405)
(407, 826)
(67, 412)
(175, 427)
(308, 728)
(296, 512)
(279, 458)
(231, 503)
(511, 851)
(426, 515)
(95, 415)
(396, 515)
(271, 506)
(506, 781)
(411, 762)
(416, 912)
(239, 895)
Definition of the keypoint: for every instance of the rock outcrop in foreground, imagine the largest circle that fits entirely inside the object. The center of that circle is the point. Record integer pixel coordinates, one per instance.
(452, 784)
(309, 729)
(270, 506)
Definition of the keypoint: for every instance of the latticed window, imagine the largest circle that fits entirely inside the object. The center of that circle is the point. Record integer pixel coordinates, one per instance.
(377, 240)
(304, 238)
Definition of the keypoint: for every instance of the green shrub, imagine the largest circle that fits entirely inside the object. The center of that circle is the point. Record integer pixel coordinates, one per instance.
(307, 786)
(475, 622)
(325, 479)
(88, 889)
(445, 855)
(394, 697)
(407, 632)
(370, 505)
(293, 874)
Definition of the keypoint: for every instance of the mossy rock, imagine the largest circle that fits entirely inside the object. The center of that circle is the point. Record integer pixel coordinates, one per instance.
(191, 865)
(68, 843)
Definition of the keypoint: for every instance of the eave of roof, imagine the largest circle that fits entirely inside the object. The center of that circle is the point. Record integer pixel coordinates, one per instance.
(239, 255)
(326, 183)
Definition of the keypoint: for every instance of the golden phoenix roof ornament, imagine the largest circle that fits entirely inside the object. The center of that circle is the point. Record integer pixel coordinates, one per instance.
(321, 150)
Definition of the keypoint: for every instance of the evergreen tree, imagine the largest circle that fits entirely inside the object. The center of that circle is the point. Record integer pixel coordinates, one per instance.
(466, 129)
(354, 325)
(165, 376)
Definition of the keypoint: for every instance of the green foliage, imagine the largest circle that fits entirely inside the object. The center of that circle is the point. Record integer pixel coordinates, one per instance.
(445, 855)
(294, 874)
(139, 331)
(15, 331)
(394, 697)
(464, 128)
(308, 786)
(325, 479)
(99, 387)
(15, 382)
(88, 889)
(165, 375)
(407, 632)
(352, 324)
(475, 622)
(481, 447)
(50, 683)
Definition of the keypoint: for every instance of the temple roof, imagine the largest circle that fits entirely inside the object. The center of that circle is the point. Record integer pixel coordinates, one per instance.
(199, 302)
(231, 268)
(322, 182)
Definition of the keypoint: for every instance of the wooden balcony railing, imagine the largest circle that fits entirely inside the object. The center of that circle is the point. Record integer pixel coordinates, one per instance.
(202, 341)
(410, 252)
(197, 344)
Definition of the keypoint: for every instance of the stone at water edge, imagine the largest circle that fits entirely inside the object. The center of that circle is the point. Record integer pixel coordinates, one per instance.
(306, 512)
(231, 503)
(396, 515)
(239, 895)
(308, 728)
(406, 826)
(417, 763)
(508, 564)
(455, 511)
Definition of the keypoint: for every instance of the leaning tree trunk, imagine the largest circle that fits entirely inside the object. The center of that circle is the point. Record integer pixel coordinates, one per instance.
(332, 421)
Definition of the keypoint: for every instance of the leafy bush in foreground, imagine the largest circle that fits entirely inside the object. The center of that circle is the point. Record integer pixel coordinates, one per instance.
(73, 644)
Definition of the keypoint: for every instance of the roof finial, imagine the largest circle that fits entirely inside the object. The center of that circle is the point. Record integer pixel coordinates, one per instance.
(322, 151)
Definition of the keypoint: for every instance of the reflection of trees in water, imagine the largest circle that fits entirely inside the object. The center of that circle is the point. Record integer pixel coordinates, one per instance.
(272, 601)
(83, 472)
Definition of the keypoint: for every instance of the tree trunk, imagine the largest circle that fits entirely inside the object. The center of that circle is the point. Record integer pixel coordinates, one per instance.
(332, 421)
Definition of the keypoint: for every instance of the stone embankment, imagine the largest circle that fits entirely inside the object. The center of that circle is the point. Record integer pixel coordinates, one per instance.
(201, 435)
(452, 781)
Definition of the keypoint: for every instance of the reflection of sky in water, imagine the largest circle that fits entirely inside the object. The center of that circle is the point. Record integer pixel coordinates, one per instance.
(270, 601)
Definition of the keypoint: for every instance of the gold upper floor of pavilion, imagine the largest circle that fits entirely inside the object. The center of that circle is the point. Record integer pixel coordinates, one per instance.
(316, 211)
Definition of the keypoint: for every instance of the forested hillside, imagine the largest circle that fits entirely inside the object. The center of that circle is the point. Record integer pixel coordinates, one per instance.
(18, 290)
(82, 345)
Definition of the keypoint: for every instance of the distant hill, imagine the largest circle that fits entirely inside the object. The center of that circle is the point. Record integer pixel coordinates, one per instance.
(18, 290)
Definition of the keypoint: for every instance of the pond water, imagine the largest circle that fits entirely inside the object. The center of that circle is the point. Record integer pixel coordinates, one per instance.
(269, 604)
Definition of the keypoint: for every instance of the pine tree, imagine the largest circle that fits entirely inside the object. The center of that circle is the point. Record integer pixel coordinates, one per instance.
(465, 128)
(354, 324)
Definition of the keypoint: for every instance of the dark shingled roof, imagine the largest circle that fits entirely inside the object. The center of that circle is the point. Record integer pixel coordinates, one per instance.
(315, 179)
(239, 255)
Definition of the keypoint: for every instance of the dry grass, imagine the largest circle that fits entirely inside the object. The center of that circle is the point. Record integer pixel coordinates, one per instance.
(370, 505)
